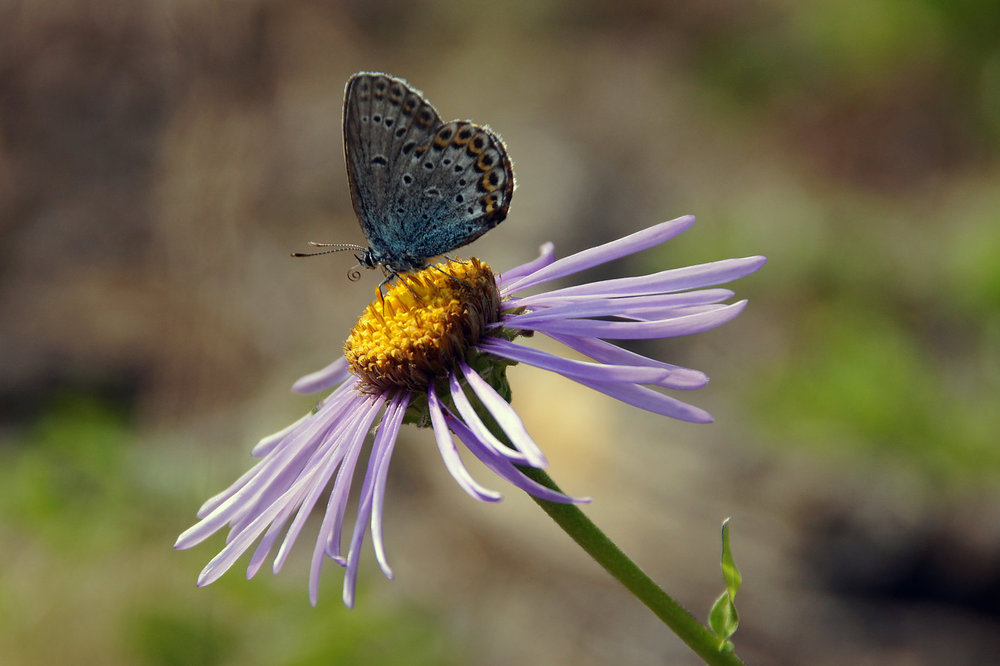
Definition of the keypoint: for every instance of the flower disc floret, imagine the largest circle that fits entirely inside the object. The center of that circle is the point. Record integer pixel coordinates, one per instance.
(425, 322)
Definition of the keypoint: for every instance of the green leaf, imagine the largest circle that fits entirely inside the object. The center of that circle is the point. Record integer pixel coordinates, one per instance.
(730, 574)
(723, 618)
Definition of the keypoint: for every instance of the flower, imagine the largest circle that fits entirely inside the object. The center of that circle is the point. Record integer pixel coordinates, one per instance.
(440, 336)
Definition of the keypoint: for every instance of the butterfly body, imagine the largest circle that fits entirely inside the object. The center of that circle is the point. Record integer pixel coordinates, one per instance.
(420, 187)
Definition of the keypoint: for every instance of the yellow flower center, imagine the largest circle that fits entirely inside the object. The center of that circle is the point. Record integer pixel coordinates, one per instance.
(426, 321)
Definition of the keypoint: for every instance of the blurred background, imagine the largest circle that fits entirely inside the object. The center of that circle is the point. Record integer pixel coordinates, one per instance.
(159, 160)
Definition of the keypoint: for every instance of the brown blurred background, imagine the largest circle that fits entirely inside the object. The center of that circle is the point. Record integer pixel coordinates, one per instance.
(159, 161)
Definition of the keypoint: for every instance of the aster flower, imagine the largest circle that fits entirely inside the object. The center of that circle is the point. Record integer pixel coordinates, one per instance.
(433, 352)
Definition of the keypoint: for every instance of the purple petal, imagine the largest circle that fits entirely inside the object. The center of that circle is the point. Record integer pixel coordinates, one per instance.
(381, 450)
(666, 305)
(235, 503)
(671, 280)
(242, 539)
(311, 478)
(635, 330)
(546, 255)
(232, 551)
(503, 468)
(212, 503)
(505, 416)
(280, 469)
(351, 439)
(652, 401)
(450, 453)
(267, 444)
(468, 413)
(342, 490)
(276, 483)
(599, 350)
(344, 393)
(333, 546)
(594, 256)
(634, 374)
(391, 422)
(654, 300)
(323, 379)
(329, 531)
(270, 537)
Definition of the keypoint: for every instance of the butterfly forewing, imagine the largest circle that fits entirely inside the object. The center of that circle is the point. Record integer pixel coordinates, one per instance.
(420, 187)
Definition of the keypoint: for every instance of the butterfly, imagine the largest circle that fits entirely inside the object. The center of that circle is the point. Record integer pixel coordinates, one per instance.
(420, 187)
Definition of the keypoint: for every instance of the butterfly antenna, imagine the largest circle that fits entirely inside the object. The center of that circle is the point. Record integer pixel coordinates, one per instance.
(338, 247)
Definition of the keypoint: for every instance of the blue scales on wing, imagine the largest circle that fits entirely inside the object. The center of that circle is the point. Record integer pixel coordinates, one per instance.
(420, 187)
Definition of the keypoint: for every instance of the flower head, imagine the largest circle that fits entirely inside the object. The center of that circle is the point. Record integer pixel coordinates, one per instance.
(433, 352)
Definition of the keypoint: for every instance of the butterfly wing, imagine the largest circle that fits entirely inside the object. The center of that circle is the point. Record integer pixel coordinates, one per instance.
(464, 187)
(382, 115)
(420, 187)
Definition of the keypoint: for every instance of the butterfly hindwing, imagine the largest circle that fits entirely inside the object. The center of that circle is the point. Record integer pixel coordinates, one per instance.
(463, 182)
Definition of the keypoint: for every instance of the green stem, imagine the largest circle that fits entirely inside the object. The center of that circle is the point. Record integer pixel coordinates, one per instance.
(597, 544)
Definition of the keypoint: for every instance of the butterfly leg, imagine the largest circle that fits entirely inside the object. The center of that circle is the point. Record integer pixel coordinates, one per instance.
(444, 272)
(416, 297)
(381, 296)
(389, 275)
